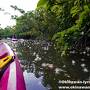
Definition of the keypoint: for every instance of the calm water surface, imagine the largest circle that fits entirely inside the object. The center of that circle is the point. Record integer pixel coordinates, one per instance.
(41, 59)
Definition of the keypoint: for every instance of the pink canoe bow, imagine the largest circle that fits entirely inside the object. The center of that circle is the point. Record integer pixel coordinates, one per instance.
(12, 78)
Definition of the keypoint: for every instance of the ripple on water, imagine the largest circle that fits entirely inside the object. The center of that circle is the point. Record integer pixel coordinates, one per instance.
(83, 65)
(85, 70)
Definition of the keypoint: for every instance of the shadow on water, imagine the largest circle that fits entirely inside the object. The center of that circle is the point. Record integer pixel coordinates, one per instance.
(39, 58)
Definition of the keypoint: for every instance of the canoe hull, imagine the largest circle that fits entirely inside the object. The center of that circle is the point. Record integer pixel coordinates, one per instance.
(12, 78)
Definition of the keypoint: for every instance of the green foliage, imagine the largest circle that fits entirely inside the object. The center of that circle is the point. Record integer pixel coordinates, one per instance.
(37, 23)
(42, 3)
(84, 16)
(67, 15)
(74, 11)
(7, 32)
(67, 38)
(65, 22)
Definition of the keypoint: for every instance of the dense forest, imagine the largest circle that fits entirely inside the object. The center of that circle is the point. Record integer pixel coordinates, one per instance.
(64, 22)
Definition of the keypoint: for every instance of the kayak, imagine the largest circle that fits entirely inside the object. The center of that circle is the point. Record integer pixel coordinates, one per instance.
(14, 39)
(11, 77)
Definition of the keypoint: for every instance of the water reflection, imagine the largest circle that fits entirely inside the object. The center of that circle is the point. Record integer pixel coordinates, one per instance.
(33, 83)
(41, 59)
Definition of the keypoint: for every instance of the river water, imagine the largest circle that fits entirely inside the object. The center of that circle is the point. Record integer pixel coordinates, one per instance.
(42, 59)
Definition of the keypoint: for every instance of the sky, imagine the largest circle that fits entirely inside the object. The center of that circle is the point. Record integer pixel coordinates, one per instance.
(7, 11)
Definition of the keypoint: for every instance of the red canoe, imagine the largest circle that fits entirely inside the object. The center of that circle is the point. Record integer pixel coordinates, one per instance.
(12, 78)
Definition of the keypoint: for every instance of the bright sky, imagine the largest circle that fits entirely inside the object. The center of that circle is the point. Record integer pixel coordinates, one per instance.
(5, 15)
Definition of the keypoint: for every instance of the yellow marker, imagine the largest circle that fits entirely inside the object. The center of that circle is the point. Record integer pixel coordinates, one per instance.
(4, 61)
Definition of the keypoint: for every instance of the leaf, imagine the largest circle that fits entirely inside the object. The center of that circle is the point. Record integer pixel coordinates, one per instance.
(74, 11)
(42, 3)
